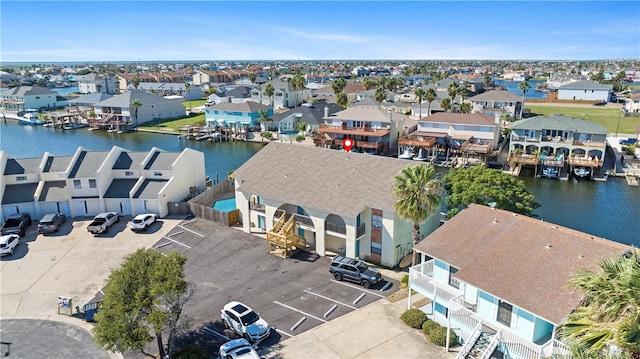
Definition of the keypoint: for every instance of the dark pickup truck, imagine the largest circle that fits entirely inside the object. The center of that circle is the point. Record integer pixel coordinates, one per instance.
(16, 223)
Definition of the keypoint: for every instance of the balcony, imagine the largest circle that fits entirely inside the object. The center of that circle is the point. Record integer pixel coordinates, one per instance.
(342, 229)
(370, 145)
(515, 138)
(354, 131)
(300, 218)
(421, 280)
(258, 207)
(588, 143)
(585, 161)
(523, 158)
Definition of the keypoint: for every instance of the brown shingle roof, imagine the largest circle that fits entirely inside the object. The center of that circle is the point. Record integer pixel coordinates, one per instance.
(509, 259)
(366, 113)
(496, 95)
(316, 178)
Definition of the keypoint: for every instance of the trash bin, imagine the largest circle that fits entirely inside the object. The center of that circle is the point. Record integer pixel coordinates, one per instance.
(90, 310)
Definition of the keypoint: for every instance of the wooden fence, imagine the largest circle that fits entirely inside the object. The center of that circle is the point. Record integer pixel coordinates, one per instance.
(201, 206)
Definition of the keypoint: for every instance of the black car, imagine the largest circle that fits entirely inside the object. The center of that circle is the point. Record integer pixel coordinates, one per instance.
(51, 222)
(355, 271)
(601, 103)
(16, 223)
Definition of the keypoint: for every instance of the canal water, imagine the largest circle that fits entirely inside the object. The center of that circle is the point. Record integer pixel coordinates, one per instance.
(606, 209)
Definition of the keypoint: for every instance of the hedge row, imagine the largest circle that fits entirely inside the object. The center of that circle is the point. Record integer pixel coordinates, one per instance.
(417, 319)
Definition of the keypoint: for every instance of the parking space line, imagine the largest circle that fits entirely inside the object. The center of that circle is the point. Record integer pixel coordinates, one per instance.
(359, 298)
(174, 234)
(163, 245)
(176, 242)
(327, 298)
(211, 331)
(194, 232)
(299, 311)
(385, 287)
(283, 332)
(189, 222)
(359, 288)
(295, 326)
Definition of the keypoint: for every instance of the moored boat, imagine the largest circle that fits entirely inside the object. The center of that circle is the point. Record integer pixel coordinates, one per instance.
(581, 171)
(30, 117)
(421, 156)
(407, 154)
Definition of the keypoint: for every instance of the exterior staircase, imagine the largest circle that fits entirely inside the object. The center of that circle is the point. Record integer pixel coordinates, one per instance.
(480, 346)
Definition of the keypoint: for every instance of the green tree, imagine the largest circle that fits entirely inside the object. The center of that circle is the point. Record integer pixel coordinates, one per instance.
(145, 295)
(252, 77)
(598, 76)
(445, 104)
(135, 104)
(609, 312)
(463, 91)
(487, 81)
(419, 93)
(483, 185)
(187, 87)
(430, 96)
(298, 84)
(381, 94)
(135, 81)
(419, 192)
(366, 82)
(341, 99)
(338, 85)
(264, 118)
(452, 90)
(524, 86)
(465, 107)
(269, 91)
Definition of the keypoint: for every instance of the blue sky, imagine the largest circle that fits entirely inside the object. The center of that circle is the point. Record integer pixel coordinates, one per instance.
(52, 31)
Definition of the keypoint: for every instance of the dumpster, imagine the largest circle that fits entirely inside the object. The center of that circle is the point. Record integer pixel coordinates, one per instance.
(90, 309)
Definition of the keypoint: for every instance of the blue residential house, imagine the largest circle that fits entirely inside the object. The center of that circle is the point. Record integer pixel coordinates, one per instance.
(236, 115)
(499, 280)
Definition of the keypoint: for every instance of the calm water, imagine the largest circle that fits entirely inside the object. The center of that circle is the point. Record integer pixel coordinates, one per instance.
(512, 86)
(610, 209)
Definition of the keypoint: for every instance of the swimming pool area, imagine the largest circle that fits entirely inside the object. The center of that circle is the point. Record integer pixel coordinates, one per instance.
(225, 205)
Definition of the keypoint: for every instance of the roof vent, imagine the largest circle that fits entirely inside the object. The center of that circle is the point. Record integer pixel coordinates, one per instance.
(286, 175)
(495, 220)
(548, 246)
(580, 256)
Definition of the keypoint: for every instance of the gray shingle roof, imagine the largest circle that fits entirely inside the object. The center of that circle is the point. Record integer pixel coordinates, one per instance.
(248, 106)
(559, 122)
(129, 160)
(311, 115)
(124, 100)
(161, 160)
(367, 114)
(87, 164)
(21, 166)
(120, 187)
(328, 180)
(461, 118)
(90, 99)
(22, 91)
(514, 249)
(54, 191)
(57, 164)
(150, 189)
(496, 95)
(585, 85)
(19, 193)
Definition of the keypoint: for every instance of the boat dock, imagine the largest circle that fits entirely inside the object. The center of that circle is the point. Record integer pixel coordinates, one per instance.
(205, 133)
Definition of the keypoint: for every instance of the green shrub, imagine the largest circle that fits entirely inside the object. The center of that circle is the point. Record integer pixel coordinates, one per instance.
(404, 283)
(414, 318)
(438, 336)
(300, 138)
(190, 352)
(428, 326)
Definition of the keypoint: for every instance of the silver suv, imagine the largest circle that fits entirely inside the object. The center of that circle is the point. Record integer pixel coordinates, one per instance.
(355, 271)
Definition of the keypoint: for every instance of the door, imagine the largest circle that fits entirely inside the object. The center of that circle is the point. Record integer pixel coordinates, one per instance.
(351, 273)
(357, 248)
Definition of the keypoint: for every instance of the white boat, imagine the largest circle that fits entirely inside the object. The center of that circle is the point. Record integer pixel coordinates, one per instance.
(550, 172)
(581, 171)
(73, 126)
(407, 154)
(30, 117)
(421, 156)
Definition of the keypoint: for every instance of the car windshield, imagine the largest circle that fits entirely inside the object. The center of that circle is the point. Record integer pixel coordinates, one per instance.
(249, 318)
(137, 221)
(362, 267)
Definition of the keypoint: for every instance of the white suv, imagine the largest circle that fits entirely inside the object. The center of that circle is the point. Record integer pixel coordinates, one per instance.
(244, 321)
(142, 222)
(8, 243)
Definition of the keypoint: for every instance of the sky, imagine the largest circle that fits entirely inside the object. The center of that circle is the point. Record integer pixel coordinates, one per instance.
(92, 31)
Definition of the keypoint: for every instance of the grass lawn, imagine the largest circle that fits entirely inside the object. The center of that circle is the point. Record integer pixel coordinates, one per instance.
(607, 117)
(172, 125)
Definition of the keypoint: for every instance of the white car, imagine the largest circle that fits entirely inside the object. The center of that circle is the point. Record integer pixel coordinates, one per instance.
(8, 243)
(244, 321)
(142, 222)
(238, 349)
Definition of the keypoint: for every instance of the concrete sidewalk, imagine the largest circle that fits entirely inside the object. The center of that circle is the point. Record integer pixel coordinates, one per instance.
(374, 331)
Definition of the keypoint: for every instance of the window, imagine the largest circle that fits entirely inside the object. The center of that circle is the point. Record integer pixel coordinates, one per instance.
(21, 178)
(128, 173)
(376, 221)
(453, 281)
(442, 309)
(376, 248)
(77, 184)
(92, 183)
(504, 313)
(157, 173)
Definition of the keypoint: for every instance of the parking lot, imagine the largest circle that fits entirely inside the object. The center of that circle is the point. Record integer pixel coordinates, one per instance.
(293, 295)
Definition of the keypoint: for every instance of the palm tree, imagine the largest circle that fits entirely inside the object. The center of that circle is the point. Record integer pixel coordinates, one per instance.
(419, 93)
(430, 96)
(338, 85)
(187, 87)
(487, 81)
(135, 81)
(463, 91)
(445, 104)
(252, 77)
(264, 118)
(524, 86)
(135, 104)
(419, 191)
(298, 84)
(381, 94)
(453, 90)
(609, 313)
(366, 82)
(341, 99)
(465, 107)
(269, 91)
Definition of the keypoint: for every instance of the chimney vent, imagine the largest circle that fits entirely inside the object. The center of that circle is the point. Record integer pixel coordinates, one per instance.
(548, 246)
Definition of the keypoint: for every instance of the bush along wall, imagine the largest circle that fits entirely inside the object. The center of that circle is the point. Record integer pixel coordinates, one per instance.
(417, 319)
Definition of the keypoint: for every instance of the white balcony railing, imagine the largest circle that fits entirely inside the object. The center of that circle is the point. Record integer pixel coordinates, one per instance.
(421, 279)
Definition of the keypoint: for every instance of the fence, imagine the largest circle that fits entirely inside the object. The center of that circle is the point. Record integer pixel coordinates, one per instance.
(201, 205)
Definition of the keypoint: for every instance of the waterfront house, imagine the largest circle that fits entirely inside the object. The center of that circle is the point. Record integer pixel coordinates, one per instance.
(374, 130)
(500, 278)
(118, 109)
(497, 102)
(470, 136)
(20, 98)
(557, 141)
(585, 90)
(284, 94)
(238, 116)
(163, 89)
(341, 202)
(310, 113)
(92, 83)
(90, 182)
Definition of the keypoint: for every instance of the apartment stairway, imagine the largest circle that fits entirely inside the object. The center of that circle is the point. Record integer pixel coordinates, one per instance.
(481, 345)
